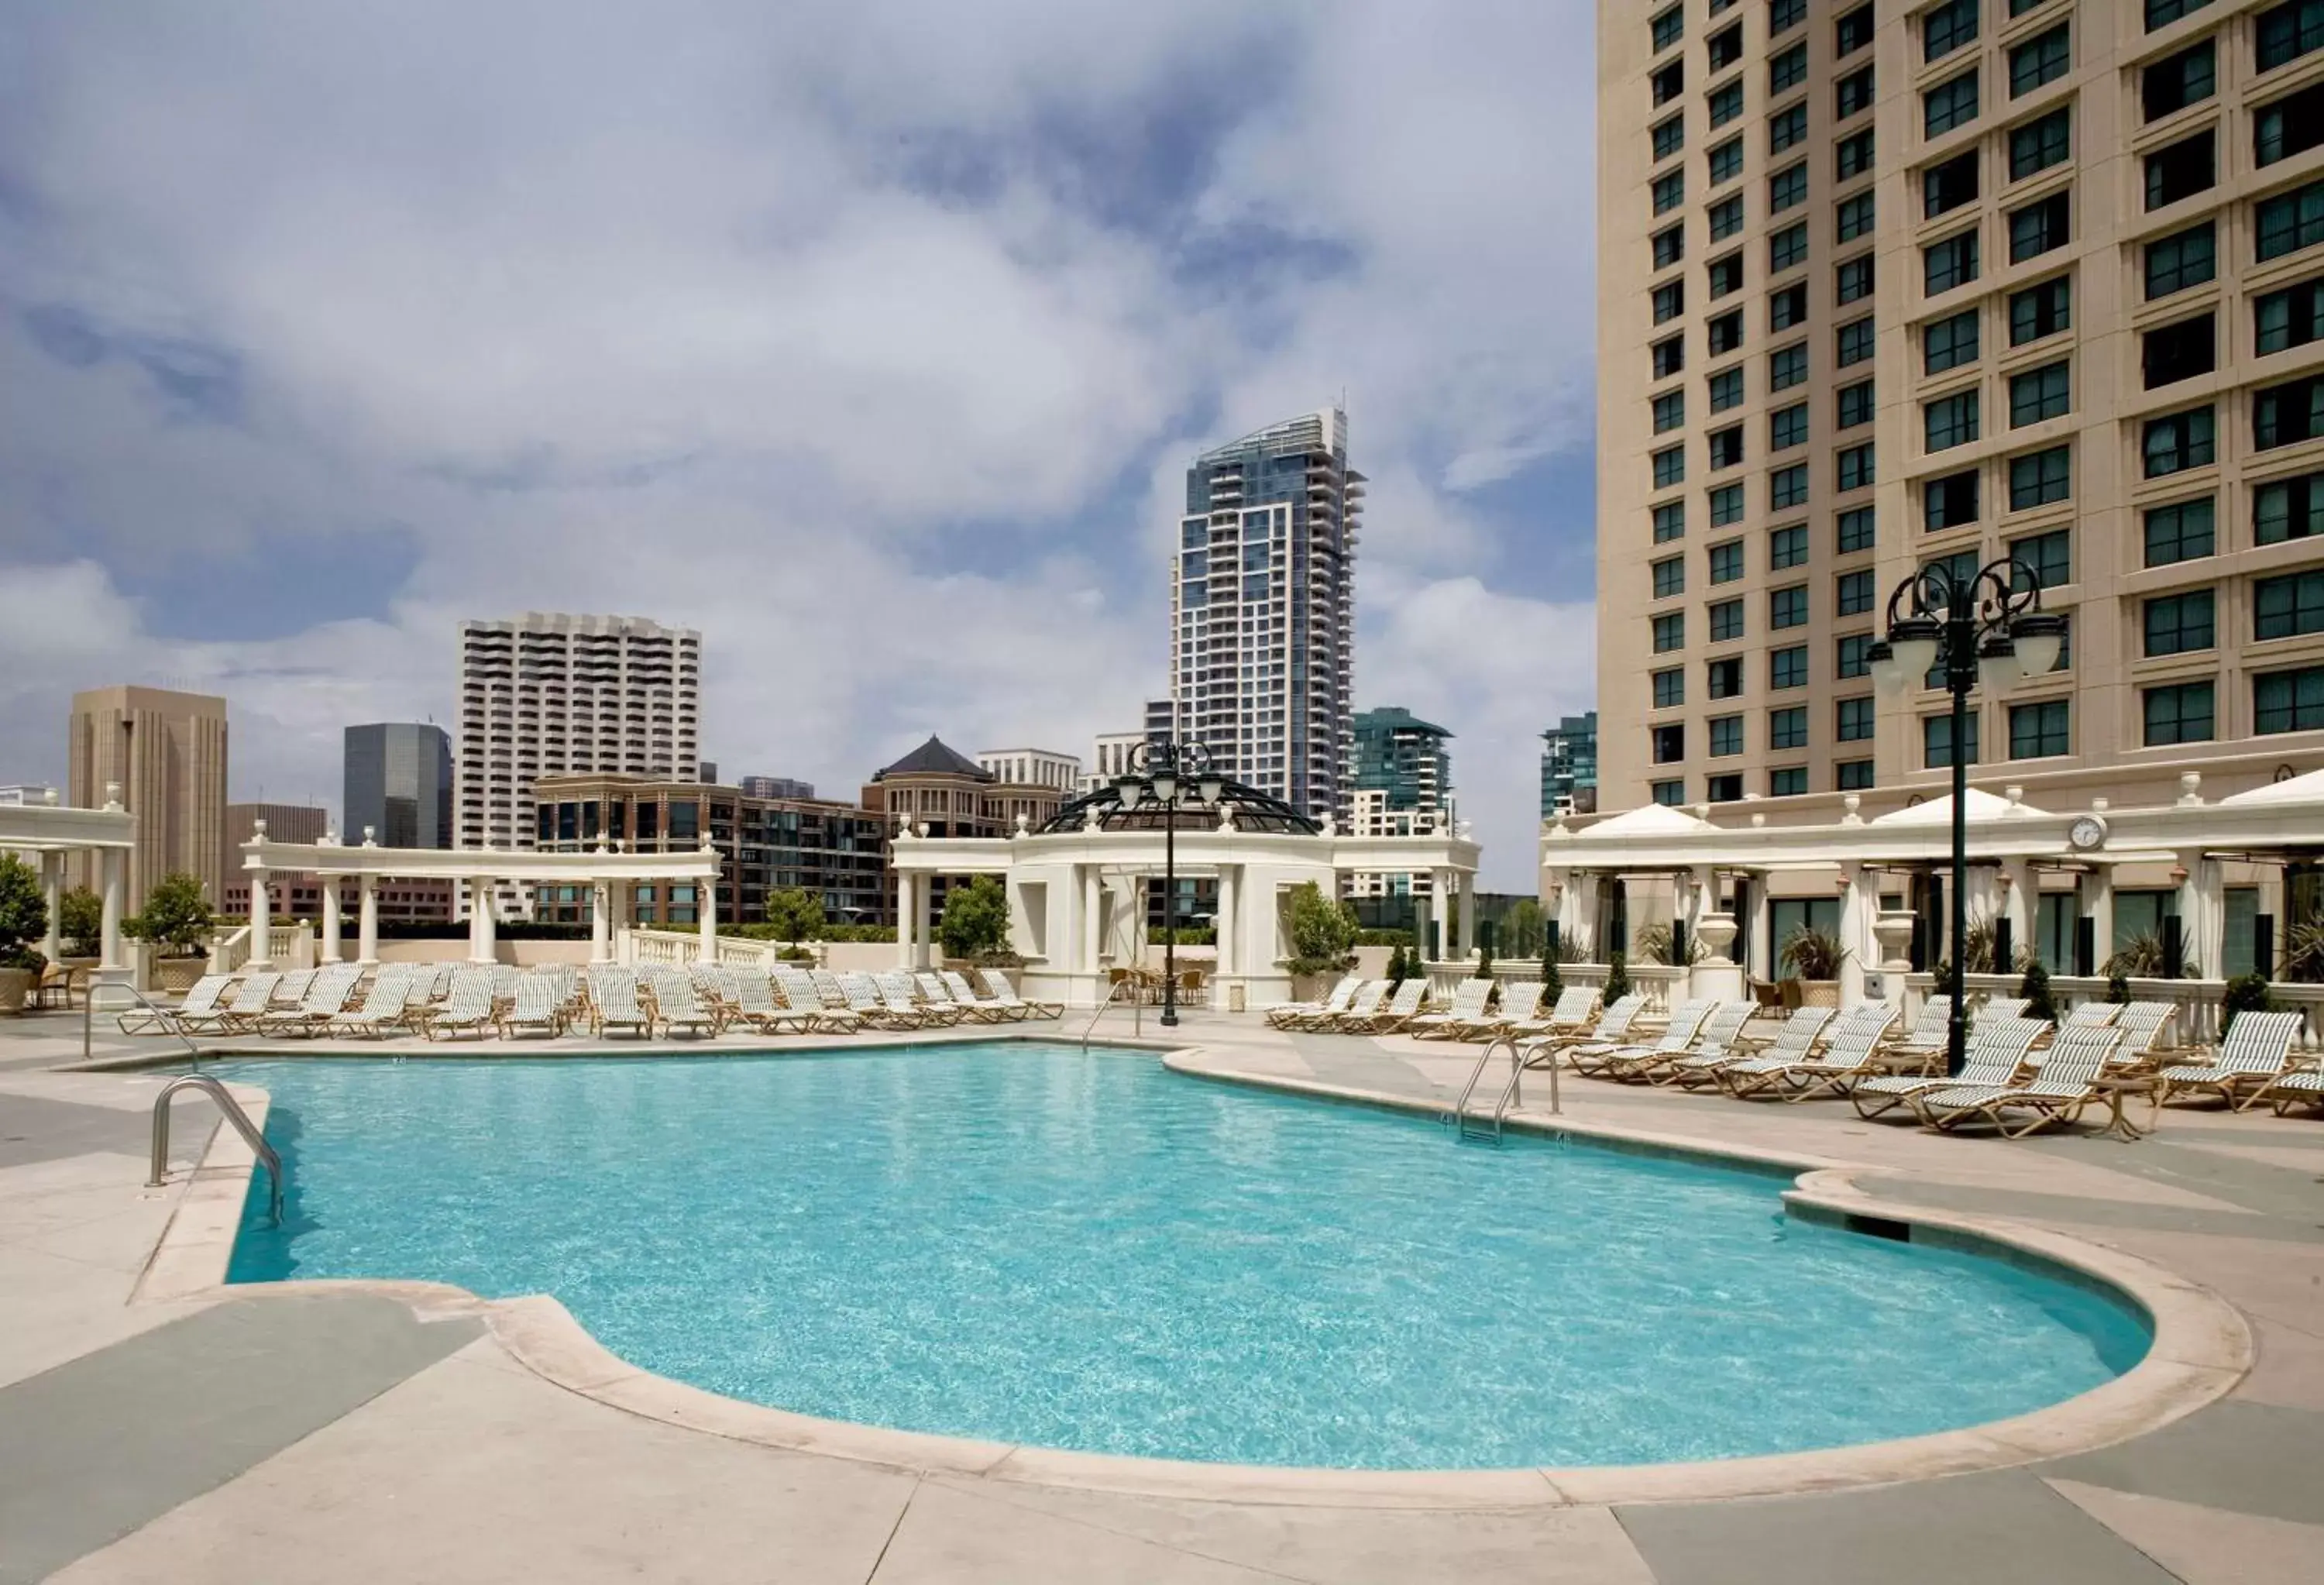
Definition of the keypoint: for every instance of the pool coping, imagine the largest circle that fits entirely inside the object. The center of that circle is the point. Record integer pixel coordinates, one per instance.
(2201, 1348)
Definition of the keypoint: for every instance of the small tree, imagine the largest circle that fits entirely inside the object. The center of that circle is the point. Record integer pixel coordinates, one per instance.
(23, 914)
(176, 915)
(1484, 963)
(2244, 993)
(1618, 979)
(975, 921)
(794, 915)
(2036, 989)
(1553, 983)
(2118, 989)
(80, 920)
(1322, 930)
(1398, 970)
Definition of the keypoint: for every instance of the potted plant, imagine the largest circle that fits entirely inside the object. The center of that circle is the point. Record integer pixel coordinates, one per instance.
(24, 920)
(2036, 989)
(1323, 932)
(176, 920)
(1813, 957)
(1618, 979)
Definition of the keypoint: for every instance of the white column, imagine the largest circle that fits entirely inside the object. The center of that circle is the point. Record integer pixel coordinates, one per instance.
(262, 950)
(601, 935)
(368, 920)
(2024, 908)
(52, 870)
(2203, 913)
(1467, 883)
(330, 952)
(2097, 887)
(905, 894)
(480, 919)
(1859, 904)
(111, 862)
(1092, 919)
(1763, 951)
(924, 893)
(1230, 889)
(706, 909)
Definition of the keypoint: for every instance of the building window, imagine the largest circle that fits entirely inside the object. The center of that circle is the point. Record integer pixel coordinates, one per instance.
(1670, 687)
(2291, 125)
(1787, 71)
(1787, 248)
(1949, 343)
(1852, 94)
(2288, 31)
(1669, 794)
(1726, 562)
(1670, 137)
(1726, 621)
(2287, 606)
(1670, 357)
(1726, 104)
(1937, 741)
(1853, 593)
(1726, 505)
(1668, 83)
(1852, 156)
(1670, 633)
(2164, 13)
(1787, 188)
(1788, 668)
(2041, 310)
(2176, 442)
(1788, 781)
(1852, 217)
(1670, 411)
(1726, 736)
(1670, 576)
(1669, 191)
(2288, 318)
(2183, 259)
(2039, 143)
(2040, 478)
(1670, 245)
(1670, 466)
(1670, 301)
(2049, 556)
(1725, 48)
(1727, 448)
(2177, 81)
(1946, 28)
(1726, 333)
(2288, 509)
(2290, 221)
(1852, 342)
(1852, 280)
(1724, 276)
(1949, 420)
(1787, 367)
(1787, 487)
(1787, 426)
(2038, 227)
(1670, 521)
(1950, 103)
(1669, 743)
(1783, 15)
(2042, 58)
(1726, 388)
(1853, 775)
(1852, 33)
(2174, 624)
(1852, 467)
(2180, 531)
(2038, 732)
(2181, 170)
(1854, 402)
(1946, 186)
(1726, 788)
(1853, 720)
(1668, 27)
(1788, 308)
(2287, 414)
(1948, 264)
(1850, 657)
(1949, 502)
(2181, 351)
(2288, 701)
(1788, 607)
(1725, 677)
(1855, 529)
(1787, 128)
(2038, 394)
(1726, 162)
(2180, 713)
(1787, 546)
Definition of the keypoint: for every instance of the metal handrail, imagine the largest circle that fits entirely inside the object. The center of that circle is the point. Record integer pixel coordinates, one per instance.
(160, 1015)
(234, 1114)
(1512, 1094)
(1113, 994)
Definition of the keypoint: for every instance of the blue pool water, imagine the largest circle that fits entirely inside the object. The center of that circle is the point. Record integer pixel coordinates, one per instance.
(1031, 1244)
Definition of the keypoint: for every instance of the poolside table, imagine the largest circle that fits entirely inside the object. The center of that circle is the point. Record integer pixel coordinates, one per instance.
(2117, 1089)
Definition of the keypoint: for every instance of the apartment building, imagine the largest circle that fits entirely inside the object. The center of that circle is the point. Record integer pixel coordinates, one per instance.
(1884, 285)
(547, 694)
(1262, 609)
(1031, 782)
(1569, 766)
(166, 753)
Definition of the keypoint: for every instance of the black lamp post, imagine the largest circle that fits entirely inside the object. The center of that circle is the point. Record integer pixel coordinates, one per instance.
(1987, 627)
(1162, 769)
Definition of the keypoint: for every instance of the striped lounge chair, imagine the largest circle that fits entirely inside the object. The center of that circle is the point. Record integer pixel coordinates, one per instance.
(1286, 1015)
(1469, 999)
(2064, 1083)
(198, 1013)
(1847, 1057)
(997, 986)
(1996, 1052)
(2251, 1060)
(468, 1008)
(386, 1006)
(1721, 1026)
(1795, 1040)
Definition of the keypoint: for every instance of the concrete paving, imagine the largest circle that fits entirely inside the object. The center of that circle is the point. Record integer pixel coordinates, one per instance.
(353, 1436)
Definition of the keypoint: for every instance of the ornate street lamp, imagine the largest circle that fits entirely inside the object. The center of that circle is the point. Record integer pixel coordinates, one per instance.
(1988, 629)
(1172, 775)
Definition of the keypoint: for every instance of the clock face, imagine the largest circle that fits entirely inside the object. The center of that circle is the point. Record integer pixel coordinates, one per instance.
(2087, 832)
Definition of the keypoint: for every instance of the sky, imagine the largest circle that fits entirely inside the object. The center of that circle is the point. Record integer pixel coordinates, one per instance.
(870, 339)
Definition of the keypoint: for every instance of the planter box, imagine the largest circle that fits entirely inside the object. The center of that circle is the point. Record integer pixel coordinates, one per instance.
(15, 987)
(1819, 994)
(176, 976)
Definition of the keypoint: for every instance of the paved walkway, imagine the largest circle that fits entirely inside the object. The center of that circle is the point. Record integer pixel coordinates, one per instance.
(343, 1435)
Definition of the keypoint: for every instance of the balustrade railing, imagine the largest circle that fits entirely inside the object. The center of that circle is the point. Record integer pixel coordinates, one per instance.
(229, 950)
(2199, 1001)
(1659, 985)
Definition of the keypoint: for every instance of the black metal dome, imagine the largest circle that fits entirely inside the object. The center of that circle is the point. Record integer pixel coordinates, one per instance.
(1253, 810)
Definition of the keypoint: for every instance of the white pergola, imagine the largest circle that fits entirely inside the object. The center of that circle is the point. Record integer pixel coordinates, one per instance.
(609, 872)
(1077, 898)
(46, 832)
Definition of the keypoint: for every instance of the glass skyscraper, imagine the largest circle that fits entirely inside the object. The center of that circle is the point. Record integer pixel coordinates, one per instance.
(399, 785)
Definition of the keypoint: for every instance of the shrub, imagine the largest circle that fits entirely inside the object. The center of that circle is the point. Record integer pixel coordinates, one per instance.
(80, 921)
(2141, 958)
(1322, 930)
(1384, 938)
(2244, 993)
(1813, 955)
(1484, 963)
(2118, 989)
(976, 923)
(2036, 989)
(1654, 946)
(2303, 953)
(1399, 969)
(793, 916)
(1574, 947)
(1618, 979)
(795, 953)
(176, 915)
(1552, 982)
(23, 915)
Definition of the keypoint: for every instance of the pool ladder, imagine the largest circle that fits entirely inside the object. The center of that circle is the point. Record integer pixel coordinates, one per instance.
(234, 1114)
(1487, 1126)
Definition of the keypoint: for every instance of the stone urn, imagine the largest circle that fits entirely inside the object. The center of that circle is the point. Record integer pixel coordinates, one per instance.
(1894, 932)
(1717, 934)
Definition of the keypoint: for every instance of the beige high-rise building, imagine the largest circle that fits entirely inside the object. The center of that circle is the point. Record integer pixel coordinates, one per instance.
(166, 750)
(1885, 283)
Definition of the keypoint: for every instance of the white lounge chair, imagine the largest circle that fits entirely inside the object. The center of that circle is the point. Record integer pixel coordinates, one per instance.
(1996, 1054)
(538, 1005)
(864, 1000)
(1469, 999)
(1402, 1008)
(1570, 1014)
(2065, 1082)
(676, 1005)
(804, 996)
(1611, 1029)
(902, 996)
(386, 1006)
(1795, 1040)
(249, 1001)
(2251, 1060)
(983, 1009)
(1593, 1057)
(469, 1008)
(1925, 1040)
(1284, 1014)
(614, 1001)
(755, 1005)
(196, 1013)
(1720, 1029)
(1854, 1040)
(997, 986)
(325, 997)
(2092, 1015)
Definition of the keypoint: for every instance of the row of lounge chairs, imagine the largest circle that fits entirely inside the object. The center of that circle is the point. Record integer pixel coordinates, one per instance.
(1357, 1006)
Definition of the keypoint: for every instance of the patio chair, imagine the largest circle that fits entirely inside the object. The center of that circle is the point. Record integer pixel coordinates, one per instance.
(1720, 1027)
(2143, 1026)
(805, 1001)
(1568, 1018)
(1402, 1008)
(538, 1005)
(1611, 1029)
(2300, 1087)
(676, 1005)
(2001, 1006)
(1926, 1038)
(614, 1001)
(2251, 1060)
(982, 1009)
(325, 998)
(719, 987)
(385, 1006)
(997, 986)
(1520, 1012)
(1795, 1040)
(864, 1000)
(755, 1005)
(1593, 1057)
(1370, 997)
(902, 994)
(1855, 1038)
(249, 1001)
(2064, 1083)
(291, 989)
(196, 1013)
(1283, 1014)
(1469, 999)
(1996, 1052)
(469, 1007)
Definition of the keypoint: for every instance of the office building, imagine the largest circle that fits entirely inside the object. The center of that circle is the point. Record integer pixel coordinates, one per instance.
(549, 695)
(167, 751)
(1882, 286)
(775, 786)
(398, 785)
(1031, 782)
(1400, 781)
(1569, 766)
(1262, 605)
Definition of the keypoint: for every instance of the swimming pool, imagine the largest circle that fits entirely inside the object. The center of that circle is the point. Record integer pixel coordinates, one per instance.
(1026, 1243)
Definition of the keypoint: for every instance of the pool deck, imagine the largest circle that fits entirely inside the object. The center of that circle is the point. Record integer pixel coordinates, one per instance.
(153, 1427)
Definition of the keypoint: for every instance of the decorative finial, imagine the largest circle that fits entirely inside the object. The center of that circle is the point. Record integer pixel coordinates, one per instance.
(113, 795)
(2189, 784)
(1330, 823)
(370, 833)
(49, 797)
(1024, 824)
(2017, 797)
(1849, 805)
(258, 831)
(1226, 815)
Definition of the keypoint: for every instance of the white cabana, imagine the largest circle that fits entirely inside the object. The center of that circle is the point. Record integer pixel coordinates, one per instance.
(45, 833)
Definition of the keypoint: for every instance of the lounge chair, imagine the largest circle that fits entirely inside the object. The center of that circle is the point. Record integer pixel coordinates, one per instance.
(325, 997)
(1593, 1057)
(1720, 1027)
(1469, 999)
(469, 1007)
(197, 1012)
(1611, 1029)
(864, 1000)
(997, 986)
(614, 1001)
(1926, 1038)
(2001, 1006)
(1283, 1014)
(755, 1005)
(289, 992)
(1995, 1054)
(1847, 1057)
(1518, 1013)
(249, 1001)
(719, 988)
(1401, 1010)
(982, 1009)
(1570, 1014)
(538, 1005)
(676, 1005)
(2065, 1082)
(804, 999)
(902, 994)
(2300, 1087)
(1370, 997)
(2143, 1025)
(2092, 1015)
(1795, 1040)
(385, 1006)
(2251, 1060)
